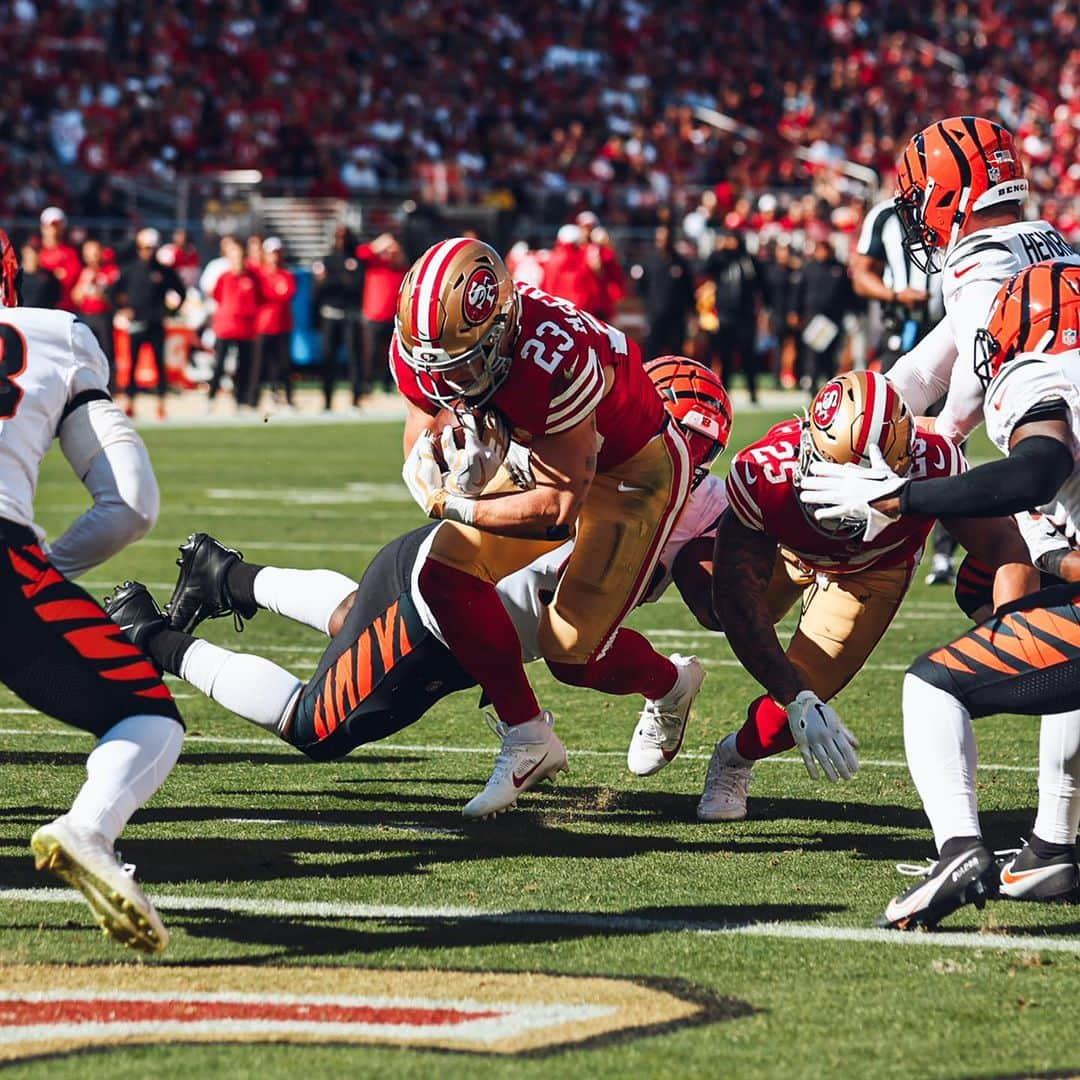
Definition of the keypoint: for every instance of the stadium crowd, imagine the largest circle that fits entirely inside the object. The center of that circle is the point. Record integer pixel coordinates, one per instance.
(578, 109)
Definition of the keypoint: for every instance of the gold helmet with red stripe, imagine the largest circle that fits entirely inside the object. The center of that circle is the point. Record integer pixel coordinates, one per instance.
(947, 171)
(848, 415)
(10, 273)
(697, 401)
(1035, 311)
(456, 318)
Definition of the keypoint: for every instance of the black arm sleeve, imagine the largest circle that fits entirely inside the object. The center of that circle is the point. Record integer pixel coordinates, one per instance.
(1030, 476)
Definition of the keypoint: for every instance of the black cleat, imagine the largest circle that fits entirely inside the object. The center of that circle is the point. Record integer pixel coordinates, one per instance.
(968, 878)
(1024, 876)
(136, 612)
(201, 591)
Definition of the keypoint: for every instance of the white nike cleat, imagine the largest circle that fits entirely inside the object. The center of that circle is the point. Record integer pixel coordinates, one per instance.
(1024, 876)
(87, 861)
(530, 753)
(726, 784)
(659, 734)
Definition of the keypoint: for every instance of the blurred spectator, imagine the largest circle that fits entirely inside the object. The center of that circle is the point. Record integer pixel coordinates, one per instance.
(254, 252)
(217, 266)
(668, 289)
(91, 299)
(57, 255)
(568, 273)
(737, 295)
(385, 267)
(183, 256)
(273, 325)
(237, 296)
(339, 286)
(603, 261)
(823, 298)
(145, 293)
(526, 262)
(38, 287)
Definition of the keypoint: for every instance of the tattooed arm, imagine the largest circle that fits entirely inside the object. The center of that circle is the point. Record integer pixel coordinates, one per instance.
(563, 466)
(742, 568)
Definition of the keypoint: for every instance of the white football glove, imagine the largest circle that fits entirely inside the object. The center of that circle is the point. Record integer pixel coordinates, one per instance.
(518, 464)
(822, 737)
(424, 479)
(845, 492)
(471, 467)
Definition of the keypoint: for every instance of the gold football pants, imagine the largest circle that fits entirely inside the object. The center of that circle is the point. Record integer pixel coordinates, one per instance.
(843, 617)
(624, 522)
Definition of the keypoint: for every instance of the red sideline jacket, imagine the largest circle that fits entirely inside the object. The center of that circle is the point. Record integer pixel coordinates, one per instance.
(275, 311)
(238, 296)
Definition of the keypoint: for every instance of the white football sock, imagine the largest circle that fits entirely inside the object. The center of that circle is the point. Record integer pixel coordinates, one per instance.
(1059, 778)
(129, 763)
(253, 688)
(942, 757)
(306, 596)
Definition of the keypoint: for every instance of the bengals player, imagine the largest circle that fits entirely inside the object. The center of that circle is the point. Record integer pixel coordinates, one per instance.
(58, 649)
(960, 198)
(771, 553)
(1025, 658)
(608, 467)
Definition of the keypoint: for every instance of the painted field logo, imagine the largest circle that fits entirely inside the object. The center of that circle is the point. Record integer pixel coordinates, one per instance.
(45, 1010)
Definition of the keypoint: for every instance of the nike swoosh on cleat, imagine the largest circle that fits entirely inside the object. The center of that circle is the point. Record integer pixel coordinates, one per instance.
(519, 780)
(1008, 877)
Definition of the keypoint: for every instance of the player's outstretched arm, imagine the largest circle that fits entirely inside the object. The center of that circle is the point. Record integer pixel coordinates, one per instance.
(743, 563)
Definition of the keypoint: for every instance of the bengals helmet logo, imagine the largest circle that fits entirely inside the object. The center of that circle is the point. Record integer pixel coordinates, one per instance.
(828, 401)
(480, 295)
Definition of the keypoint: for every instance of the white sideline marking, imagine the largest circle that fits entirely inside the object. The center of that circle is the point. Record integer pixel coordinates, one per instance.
(602, 923)
(435, 748)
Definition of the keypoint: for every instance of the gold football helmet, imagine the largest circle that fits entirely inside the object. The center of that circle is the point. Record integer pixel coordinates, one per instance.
(456, 317)
(848, 415)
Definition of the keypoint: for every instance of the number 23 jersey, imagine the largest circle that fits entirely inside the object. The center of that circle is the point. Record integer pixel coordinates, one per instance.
(763, 496)
(566, 365)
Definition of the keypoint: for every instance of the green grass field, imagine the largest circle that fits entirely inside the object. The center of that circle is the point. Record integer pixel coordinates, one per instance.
(605, 874)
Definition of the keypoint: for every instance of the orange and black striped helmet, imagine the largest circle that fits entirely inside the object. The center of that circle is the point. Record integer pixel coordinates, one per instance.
(1035, 311)
(10, 273)
(947, 171)
(696, 400)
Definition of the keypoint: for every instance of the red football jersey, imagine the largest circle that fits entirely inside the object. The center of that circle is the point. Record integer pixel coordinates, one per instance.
(762, 493)
(557, 378)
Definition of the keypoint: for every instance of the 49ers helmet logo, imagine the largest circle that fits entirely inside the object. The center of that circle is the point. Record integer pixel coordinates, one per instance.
(828, 401)
(480, 295)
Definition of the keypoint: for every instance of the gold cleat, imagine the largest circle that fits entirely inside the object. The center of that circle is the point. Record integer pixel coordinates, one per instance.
(86, 861)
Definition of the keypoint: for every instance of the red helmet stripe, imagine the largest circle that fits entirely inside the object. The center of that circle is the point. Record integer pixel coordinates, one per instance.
(890, 405)
(868, 414)
(429, 281)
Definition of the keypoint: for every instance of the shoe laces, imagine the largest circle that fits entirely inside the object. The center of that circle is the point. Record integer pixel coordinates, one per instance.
(916, 870)
(656, 726)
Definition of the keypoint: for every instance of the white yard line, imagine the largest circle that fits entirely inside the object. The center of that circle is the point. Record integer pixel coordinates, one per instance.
(436, 748)
(601, 923)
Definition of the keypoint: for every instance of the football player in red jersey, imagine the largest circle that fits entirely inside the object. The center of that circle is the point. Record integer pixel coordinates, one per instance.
(1025, 658)
(608, 467)
(771, 553)
(388, 662)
